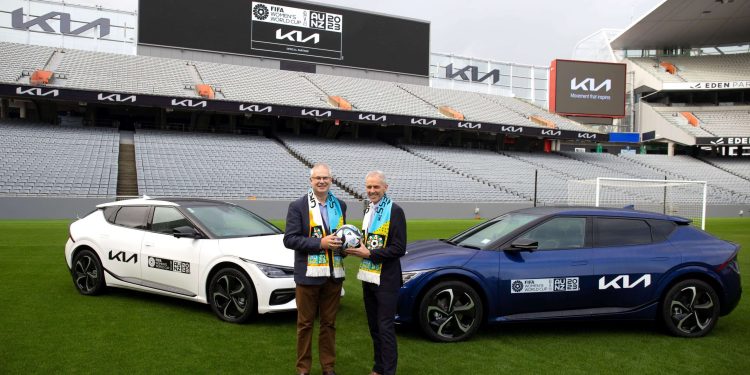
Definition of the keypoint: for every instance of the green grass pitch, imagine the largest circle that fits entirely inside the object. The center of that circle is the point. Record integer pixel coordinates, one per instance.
(47, 327)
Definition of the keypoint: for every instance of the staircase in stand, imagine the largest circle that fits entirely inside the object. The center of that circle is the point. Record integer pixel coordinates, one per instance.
(127, 177)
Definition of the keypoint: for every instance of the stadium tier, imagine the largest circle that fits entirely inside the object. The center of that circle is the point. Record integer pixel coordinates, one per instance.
(123, 73)
(651, 66)
(172, 77)
(18, 59)
(242, 83)
(44, 160)
(473, 106)
(218, 166)
(709, 68)
(528, 110)
(374, 96)
(411, 178)
(728, 121)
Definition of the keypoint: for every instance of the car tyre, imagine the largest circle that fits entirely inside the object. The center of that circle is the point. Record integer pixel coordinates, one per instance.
(690, 309)
(450, 311)
(231, 295)
(88, 273)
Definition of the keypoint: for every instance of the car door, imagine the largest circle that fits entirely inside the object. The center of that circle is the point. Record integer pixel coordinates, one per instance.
(170, 263)
(120, 242)
(554, 278)
(628, 263)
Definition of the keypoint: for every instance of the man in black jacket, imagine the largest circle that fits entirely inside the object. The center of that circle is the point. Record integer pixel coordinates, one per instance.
(318, 269)
(385, 242)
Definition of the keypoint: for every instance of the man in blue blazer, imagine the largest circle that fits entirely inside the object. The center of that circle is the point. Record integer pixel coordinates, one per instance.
(318, 267)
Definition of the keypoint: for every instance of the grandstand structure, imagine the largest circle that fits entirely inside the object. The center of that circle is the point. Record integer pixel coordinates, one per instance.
(692, 83)
(86, 124)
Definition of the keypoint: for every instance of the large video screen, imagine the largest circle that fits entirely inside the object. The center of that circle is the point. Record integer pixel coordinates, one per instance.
(289, 30)
(586, 88)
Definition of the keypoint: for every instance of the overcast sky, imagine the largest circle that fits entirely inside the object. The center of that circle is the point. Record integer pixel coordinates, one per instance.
(525, 32)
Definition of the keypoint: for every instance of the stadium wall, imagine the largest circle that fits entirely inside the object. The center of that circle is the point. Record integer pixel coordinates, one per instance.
(17, 208)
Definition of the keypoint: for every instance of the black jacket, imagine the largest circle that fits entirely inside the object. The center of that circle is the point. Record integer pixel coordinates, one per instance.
(297, 237)
(390, 275)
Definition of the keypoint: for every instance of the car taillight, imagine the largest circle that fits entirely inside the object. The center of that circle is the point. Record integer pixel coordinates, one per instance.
(731, 263)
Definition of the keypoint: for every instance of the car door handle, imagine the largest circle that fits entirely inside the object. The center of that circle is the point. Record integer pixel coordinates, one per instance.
(659, 259)
(148, 244)
(579, 262)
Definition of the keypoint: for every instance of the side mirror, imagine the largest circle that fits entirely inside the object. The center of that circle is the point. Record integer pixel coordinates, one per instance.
(186, 232)
(524, 244)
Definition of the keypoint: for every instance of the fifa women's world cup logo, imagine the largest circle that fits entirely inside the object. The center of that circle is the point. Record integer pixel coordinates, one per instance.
(375, 241)
(316, 231)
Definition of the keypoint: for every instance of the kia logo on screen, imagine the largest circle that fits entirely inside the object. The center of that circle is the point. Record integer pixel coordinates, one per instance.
(296, 36)
(588, 88)
(589, 84)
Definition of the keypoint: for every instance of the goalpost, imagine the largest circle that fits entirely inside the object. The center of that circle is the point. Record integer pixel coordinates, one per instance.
(671, 197)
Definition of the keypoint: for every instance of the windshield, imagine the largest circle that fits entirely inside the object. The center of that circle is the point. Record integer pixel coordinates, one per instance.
(231, 221)
(487, 233)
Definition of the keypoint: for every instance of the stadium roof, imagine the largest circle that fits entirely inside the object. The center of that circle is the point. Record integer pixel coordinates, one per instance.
(689, 24)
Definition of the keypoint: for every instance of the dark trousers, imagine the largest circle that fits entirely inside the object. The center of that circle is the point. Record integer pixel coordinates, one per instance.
(311, 300)
(380, 305)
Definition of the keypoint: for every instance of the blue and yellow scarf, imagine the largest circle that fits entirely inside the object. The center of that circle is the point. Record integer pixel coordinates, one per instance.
(317, 264)
(376, 223)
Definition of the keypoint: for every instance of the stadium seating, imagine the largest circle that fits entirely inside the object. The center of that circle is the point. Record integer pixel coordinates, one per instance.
(708, 68)
(651, 65)
(474, 106)
(729, 121)
(411, 178)
(674, 116)
(374, 96)
(20, 58)
(725, 123)
(739, 167)
(44, 160)
(527, 109)
(124, 73)
(173, 77)
(218, 166)
(500, 171)
(723, 187)
(259, 85)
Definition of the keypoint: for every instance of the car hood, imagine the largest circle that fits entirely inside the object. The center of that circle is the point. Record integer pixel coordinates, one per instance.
(429, 254)
(262, 249)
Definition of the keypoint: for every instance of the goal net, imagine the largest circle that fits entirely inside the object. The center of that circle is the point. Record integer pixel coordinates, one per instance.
(671, 197)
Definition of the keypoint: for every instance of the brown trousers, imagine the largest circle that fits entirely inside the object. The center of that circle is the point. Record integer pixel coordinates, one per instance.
(312, 299)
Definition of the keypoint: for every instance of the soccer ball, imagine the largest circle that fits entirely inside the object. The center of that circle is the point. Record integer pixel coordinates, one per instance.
(349, 235)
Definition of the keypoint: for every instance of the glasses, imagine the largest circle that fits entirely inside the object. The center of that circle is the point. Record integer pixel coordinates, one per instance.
(321, 178)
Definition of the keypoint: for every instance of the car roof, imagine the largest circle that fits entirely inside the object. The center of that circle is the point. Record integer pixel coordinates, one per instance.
(601, 211)
(174, 202)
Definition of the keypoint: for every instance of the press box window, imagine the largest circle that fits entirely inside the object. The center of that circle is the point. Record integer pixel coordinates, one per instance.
(132, 217)
(621, 232)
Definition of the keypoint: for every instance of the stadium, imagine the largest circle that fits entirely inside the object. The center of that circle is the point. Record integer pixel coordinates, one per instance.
(100, 104)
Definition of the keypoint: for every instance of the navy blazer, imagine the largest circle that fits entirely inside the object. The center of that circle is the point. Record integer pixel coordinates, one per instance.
(297, 237)
(389, 256)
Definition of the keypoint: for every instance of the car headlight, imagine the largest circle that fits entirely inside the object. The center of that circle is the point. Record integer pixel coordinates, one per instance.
(272, 271)
(409, 275)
